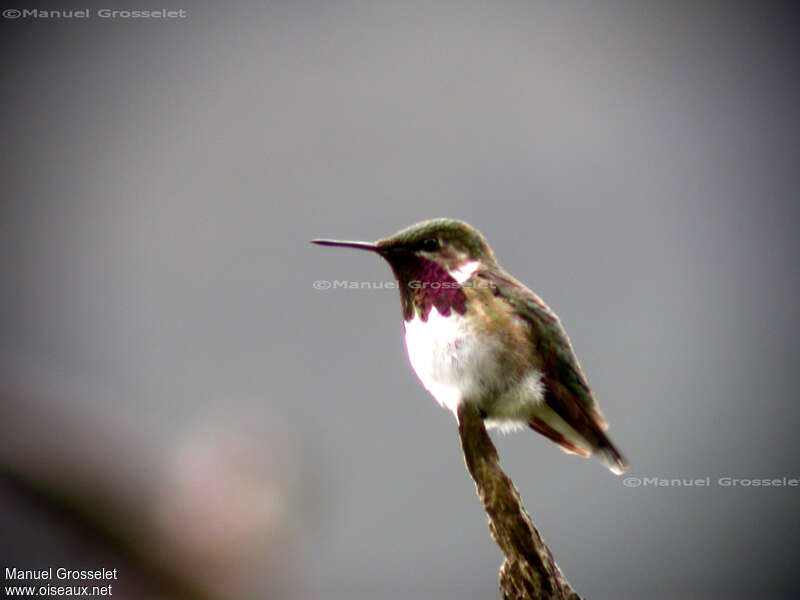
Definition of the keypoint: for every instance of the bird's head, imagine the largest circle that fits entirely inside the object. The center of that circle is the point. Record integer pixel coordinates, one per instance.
(454, 246)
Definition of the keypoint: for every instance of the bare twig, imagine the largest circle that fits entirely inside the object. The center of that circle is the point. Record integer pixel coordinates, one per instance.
(529, 571)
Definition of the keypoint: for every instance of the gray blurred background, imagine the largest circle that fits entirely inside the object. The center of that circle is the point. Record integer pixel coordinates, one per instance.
(171, 376)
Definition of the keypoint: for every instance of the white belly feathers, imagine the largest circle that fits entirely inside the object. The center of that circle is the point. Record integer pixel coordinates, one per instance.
(446, 356)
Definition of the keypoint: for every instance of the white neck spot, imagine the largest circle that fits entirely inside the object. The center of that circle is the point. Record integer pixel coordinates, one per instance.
(465, 271)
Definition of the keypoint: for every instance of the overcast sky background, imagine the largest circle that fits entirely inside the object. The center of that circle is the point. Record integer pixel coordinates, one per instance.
(634, 163)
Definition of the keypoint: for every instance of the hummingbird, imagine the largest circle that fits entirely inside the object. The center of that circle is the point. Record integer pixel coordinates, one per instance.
(475, 334)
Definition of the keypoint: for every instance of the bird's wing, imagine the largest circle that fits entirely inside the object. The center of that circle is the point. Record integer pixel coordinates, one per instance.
(567, 390)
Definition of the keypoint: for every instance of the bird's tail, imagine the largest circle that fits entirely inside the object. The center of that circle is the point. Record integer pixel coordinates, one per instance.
(583, 436)
(609, 455)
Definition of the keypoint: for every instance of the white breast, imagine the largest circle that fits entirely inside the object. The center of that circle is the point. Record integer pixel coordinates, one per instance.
(452, 366)
(438, 350)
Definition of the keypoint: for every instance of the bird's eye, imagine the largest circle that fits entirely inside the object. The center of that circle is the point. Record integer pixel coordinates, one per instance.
(430, 245)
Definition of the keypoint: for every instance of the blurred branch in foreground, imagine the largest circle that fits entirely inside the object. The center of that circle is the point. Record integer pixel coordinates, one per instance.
(185, 511)
(529, 571)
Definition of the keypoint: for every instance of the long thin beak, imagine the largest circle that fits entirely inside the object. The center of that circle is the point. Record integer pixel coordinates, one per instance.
(358, 245)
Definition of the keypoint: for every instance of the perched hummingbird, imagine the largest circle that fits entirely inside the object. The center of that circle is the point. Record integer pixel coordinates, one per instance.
(475, 334)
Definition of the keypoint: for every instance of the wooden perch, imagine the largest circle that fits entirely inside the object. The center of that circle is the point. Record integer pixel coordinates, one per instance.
(529, 571)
